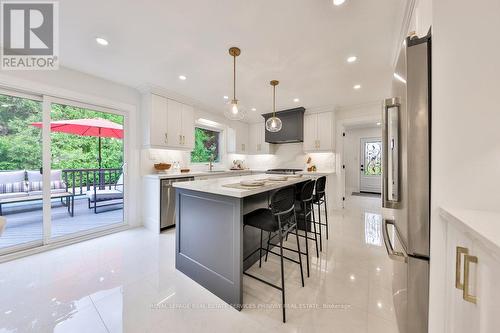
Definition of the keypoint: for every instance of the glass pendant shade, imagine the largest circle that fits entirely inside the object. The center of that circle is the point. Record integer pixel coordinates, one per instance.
(234, 112)
(274, 124)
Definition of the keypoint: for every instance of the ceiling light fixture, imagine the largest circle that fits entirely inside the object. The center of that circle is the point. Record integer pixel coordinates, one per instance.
(399, 78)
(226, 97)
(357, 86)
(378, 124)
(352, 59)
(296, 100)
(101, 41)
(338, 2)
(254, 109)
(274, 123)
(233, 112)
(182, 77)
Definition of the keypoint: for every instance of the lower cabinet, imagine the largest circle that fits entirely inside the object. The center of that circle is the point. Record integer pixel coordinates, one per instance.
(472, 284)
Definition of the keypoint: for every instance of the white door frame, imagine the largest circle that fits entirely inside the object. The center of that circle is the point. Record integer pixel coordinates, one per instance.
(371, 184)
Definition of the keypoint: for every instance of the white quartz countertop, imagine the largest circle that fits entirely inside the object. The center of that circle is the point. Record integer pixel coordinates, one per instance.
(197, 173)
(215, 186)
(318, 173)
(483, 225)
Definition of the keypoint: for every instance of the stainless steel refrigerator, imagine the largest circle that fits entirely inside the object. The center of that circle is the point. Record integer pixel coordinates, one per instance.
(406, 183)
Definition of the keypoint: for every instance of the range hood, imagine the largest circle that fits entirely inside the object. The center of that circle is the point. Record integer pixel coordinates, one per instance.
(293, 126)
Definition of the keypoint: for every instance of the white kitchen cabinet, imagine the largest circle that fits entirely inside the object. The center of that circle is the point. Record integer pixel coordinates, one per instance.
(157, 131)
(257, 140)
(237, 137)
(319, 132)
(188, 125)
(463, 313)
(168, 124)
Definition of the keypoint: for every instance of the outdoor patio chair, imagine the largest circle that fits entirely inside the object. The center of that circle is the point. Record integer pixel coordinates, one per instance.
(114, 194)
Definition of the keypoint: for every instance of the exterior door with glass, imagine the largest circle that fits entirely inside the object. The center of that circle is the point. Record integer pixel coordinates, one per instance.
(370, 179)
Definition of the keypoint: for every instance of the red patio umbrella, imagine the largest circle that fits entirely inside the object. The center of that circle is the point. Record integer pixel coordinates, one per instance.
(97, 127)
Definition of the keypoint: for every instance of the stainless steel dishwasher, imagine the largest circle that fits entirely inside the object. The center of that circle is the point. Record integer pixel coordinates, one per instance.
(167, 199)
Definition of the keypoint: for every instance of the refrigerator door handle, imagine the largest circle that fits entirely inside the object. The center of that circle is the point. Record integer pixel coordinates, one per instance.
(393, 254)
(391, 153)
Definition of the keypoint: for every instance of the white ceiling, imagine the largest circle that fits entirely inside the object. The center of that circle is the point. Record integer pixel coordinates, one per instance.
(302, 43)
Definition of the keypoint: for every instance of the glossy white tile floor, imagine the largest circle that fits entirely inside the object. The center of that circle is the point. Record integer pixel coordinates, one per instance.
(127, 282)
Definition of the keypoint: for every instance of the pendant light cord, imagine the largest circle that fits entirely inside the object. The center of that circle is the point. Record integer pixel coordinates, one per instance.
(274, 101)
(234, 77)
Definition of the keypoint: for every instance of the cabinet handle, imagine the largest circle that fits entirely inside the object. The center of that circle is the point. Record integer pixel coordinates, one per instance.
(166, 137)
(319, 143)
(467, 296)
(458, 268)
(183, 140)
(180, 139)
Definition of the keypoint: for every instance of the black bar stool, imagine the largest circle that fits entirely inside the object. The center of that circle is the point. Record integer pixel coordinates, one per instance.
(319, 199)
(304, 211)
(280, 219)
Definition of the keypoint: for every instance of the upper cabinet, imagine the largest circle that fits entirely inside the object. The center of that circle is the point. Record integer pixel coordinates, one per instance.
(319, 132)
(237, 138)
(257, 140)
(168, 124)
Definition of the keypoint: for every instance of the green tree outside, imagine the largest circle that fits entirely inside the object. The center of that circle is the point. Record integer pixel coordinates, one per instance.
(20, 142)
(206, 146)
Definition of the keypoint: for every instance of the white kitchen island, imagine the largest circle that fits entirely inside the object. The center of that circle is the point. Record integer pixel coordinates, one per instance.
(210, 239)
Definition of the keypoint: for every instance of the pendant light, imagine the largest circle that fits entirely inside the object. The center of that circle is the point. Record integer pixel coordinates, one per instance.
(233, 112)
(274, 123)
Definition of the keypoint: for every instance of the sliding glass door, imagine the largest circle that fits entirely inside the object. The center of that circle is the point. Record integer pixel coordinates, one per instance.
(62, 170)
(87, 162)
(20, 154)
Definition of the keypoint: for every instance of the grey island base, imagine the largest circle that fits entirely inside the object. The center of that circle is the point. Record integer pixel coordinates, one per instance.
(210, 239)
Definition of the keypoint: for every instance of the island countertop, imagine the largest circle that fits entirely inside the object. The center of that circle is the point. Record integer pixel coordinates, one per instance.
(216, 186)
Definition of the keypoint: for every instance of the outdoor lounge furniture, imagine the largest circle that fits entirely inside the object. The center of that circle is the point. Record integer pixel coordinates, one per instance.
(103, 194)
(23, 186)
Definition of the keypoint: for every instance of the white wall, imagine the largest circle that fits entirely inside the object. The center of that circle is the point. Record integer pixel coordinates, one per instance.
(78, 86)
(352, 151)
(465, 120)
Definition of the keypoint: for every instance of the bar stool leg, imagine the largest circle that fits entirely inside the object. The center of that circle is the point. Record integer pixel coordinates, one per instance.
(315, 232)
(298, 249)
(326, 216)
(307, 252)
(319, 225)
(282, 277)
(267, 250)
(260, 250)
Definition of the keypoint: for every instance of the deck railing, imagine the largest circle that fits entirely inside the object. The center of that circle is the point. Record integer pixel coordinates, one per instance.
(79, 181)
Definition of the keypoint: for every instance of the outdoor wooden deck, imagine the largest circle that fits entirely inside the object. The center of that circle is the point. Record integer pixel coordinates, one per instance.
(24, 222)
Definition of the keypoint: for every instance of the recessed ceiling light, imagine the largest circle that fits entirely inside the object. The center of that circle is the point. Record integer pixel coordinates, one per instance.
(226, 97)
(378, 124)
(101, 41)
(352, 59)
(296, 100)
(254, 109)
(357, 86)
(338, 2)
(182, 77)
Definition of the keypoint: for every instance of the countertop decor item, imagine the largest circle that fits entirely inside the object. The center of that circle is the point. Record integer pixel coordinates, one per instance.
(233, 112)
(162, 166)
(274, 123)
